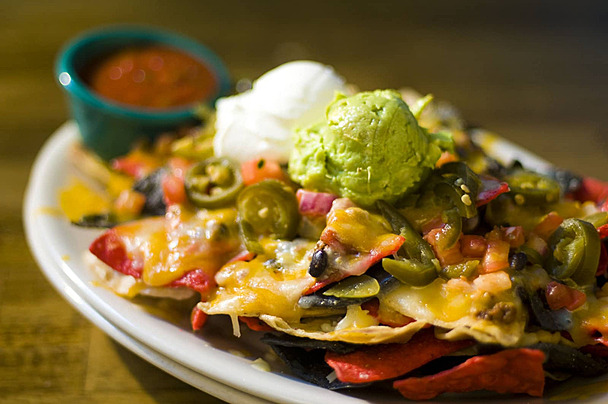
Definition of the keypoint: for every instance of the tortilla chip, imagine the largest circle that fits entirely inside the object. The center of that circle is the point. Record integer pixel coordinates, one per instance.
(387, 361)
(510, 371)
(324, 330)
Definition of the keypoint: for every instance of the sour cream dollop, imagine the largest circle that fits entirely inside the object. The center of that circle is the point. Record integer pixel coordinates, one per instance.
(260, 122)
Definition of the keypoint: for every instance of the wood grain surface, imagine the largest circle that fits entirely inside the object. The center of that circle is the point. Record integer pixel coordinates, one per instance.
(534, 73)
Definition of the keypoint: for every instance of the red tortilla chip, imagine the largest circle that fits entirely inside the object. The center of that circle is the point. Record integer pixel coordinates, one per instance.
(110, 249)
(510, 371)
(255, 324)
(387, 361)
(197, 280)
(198, 318)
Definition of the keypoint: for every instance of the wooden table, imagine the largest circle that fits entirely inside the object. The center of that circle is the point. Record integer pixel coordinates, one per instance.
(535, 74)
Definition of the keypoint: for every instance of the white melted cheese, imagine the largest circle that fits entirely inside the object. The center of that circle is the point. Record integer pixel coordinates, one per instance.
(270, 284)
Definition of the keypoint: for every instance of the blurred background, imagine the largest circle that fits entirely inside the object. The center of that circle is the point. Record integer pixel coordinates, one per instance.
(533, 72)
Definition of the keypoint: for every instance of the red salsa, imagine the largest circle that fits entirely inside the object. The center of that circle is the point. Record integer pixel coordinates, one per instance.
(154, 76)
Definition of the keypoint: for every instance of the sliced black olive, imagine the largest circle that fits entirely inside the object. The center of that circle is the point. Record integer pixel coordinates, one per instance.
(386, 280)
(152, 189)
(310, 365)
(541, 315)
(317, 299)
(307, 343)
(101, 220)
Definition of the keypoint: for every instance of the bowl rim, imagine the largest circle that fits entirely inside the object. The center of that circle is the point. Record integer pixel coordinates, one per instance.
(76, 86)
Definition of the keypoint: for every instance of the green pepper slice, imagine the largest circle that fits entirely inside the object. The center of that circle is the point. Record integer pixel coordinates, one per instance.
(213, 183)
(355, 287)
(466, 269)
(410, 272)
(268, 208)
(250, 238)
(415, 247)
(532, 188)
(575, 251)
(469, 177)
(419, 266)
(452, 229)
(453, 192)
(597, 219)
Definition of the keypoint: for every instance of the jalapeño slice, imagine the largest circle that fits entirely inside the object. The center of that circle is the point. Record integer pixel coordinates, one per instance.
(531, 188)
(213, 183)
(575, 251)
(267, 208)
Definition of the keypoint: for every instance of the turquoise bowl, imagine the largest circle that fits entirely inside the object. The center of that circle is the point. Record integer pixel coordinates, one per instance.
(109, 128)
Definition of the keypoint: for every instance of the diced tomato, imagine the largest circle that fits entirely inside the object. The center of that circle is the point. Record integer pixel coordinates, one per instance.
(509, 371)
(549, 223)
(493, 282)
(473, 246)
(559, 296)
(129, 203)
(448, 256)
(537, 243)
(386, 361)
(136, 164)
(255, 324)
(178, 166)
(496, 257)
(110, 249)
(514, 236)
(198, 318)
(491, 188)
(592, 190)
(173, 182)
(603, 231)
(446, 157)
(173, 189)
(254, 171)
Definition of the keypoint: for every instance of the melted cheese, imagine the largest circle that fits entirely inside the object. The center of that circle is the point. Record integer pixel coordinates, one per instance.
(270, 284)
(169, 247)
(458, 304)
(359, 229)
(356, 318)
(78, 200)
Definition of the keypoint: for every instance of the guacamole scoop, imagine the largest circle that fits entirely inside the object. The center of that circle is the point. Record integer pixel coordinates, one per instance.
(369, 148)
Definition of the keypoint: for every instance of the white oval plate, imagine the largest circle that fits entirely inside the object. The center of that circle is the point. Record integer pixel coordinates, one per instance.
(213, 361)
